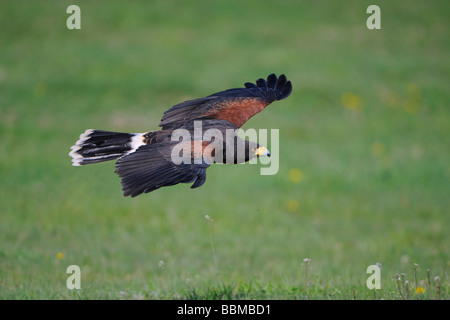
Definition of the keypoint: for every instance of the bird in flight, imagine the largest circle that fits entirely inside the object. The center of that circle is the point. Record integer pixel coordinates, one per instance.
(151, 160)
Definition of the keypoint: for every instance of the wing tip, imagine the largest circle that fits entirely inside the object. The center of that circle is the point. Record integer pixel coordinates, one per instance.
(276, 88)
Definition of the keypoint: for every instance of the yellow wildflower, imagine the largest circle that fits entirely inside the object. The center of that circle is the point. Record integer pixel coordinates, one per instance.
(420, 290)
(293, 205)
(352, 101)
(295, 175)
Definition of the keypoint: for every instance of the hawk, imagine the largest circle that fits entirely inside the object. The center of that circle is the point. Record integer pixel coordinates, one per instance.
(146, 161)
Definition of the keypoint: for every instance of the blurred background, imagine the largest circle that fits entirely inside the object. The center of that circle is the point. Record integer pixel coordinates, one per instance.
(364, 150)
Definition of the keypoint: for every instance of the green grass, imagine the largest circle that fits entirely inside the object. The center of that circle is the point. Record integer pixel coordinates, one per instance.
(367, 124)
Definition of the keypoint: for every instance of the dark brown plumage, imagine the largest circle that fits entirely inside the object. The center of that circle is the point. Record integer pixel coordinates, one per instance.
(146, 159)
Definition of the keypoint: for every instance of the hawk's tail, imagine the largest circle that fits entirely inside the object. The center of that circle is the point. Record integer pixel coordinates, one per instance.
(97, 146)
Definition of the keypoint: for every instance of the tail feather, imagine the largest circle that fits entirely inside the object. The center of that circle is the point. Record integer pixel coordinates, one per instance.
(97, 146)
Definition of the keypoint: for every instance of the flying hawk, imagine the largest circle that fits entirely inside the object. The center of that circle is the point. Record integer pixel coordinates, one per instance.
(146, 160)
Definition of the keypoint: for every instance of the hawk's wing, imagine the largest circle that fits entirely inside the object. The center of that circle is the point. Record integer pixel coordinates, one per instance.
(151, 167)
(233, 105)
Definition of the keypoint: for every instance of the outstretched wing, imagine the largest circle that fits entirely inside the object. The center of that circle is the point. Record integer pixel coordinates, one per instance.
(151, 167)
(234, 105)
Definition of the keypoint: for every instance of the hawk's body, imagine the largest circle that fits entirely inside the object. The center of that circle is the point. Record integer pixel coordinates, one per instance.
(145, 159)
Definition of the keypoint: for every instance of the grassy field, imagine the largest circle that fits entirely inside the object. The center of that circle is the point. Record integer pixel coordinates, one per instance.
(364, 151)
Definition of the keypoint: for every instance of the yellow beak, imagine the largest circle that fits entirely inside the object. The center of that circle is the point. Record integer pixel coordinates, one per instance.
(262, 151)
